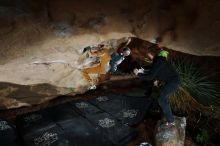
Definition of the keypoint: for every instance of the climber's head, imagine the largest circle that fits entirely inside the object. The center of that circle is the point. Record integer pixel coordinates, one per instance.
(126, 51)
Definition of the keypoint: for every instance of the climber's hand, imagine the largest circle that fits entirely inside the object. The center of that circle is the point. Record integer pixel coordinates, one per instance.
(135, 71)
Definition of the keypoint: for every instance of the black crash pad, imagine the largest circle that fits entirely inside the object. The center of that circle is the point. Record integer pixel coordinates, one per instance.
(59, 126)
(61, 113)
(79, 130)
(129, 109)
(37, 129)
(101, 121)
(8, 134)
(118, 133)
(48, 137)
(32, 123)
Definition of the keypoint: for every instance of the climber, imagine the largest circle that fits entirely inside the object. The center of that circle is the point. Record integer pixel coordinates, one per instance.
(107, 62)
(162, 71)
(117, 58)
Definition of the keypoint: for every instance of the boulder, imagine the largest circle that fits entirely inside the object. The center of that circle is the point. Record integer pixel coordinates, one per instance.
(172, 136)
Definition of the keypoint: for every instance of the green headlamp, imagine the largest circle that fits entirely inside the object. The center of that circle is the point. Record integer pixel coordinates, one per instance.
(163, 53)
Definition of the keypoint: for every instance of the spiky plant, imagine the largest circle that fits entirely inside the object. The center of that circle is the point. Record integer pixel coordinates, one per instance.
(196, 92)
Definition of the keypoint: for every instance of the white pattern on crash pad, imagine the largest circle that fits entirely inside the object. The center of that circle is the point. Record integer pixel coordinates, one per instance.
(46, 139)
(106, 123)
(4, 125)
(102, 98)
(82, 105)
(130, 113)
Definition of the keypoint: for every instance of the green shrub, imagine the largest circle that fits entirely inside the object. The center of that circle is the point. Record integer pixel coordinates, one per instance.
(196, 91)
(202, 136)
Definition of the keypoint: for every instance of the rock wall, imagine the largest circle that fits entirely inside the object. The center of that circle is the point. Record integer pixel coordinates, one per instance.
(33, 31)
(184, 25)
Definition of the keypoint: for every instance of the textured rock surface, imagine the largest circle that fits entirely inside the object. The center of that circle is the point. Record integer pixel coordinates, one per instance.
(26, 81)
(43, 31)
(173, 136)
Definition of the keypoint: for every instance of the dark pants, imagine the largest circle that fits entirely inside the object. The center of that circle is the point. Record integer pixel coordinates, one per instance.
(167, 90)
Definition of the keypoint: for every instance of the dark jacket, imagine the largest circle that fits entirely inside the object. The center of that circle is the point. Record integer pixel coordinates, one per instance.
(160, 70)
